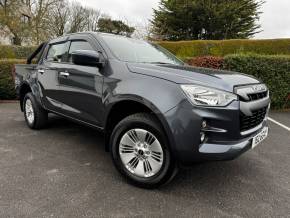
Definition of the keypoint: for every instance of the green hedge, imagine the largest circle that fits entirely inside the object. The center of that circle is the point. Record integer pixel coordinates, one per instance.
(272, 70)
(185, 49)
(7, 87)
(15, 52)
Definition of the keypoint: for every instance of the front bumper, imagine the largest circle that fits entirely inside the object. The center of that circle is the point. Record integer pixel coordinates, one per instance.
(223, 137)
(228, 150)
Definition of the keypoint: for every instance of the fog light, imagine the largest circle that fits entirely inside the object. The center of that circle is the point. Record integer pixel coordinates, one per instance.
(203, 124)
(202, 137)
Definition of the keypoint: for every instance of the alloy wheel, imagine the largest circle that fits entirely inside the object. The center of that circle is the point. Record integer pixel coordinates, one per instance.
(141, 153)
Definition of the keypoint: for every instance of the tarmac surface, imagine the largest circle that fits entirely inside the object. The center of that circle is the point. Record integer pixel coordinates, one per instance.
(64, 171)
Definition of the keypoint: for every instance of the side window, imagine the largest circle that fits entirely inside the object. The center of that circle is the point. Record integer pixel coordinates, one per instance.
(57, 52)
(78, 45)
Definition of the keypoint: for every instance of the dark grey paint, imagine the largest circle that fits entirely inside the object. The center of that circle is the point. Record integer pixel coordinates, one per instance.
(88, 94)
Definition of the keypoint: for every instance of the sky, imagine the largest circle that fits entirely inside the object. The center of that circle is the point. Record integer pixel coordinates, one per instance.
(275, 19)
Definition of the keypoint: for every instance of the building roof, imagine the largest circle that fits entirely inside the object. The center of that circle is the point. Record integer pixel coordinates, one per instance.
(24, 9)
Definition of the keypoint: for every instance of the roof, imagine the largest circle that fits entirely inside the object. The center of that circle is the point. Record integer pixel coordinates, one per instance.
(24, 9)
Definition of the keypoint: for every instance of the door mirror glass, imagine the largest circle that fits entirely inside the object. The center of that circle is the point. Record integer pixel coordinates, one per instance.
(87, 58)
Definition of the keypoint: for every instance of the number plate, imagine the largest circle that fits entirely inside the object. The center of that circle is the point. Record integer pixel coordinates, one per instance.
(260, 137)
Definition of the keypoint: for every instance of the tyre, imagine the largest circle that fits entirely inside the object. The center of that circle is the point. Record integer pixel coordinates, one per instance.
(141, 153)
(35, 116)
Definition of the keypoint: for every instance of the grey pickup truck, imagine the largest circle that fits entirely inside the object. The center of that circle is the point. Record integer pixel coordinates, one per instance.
(156, 112)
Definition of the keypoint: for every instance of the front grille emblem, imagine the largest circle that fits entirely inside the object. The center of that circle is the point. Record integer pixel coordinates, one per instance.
(258, 88)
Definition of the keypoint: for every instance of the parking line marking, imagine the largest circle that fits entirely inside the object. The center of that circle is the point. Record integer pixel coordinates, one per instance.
(279, 124)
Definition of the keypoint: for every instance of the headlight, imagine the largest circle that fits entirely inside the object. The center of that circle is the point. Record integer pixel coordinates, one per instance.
(203, 96)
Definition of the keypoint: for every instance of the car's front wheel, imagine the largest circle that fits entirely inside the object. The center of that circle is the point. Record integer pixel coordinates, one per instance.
(35, 116)
(141, 153)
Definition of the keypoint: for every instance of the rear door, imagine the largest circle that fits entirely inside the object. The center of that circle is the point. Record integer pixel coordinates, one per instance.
(48, 69)
(81, 86)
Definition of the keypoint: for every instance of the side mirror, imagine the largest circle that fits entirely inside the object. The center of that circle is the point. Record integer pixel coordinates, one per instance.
(87, 58)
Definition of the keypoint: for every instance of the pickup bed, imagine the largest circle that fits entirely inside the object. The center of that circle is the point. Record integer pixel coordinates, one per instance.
(156, 112)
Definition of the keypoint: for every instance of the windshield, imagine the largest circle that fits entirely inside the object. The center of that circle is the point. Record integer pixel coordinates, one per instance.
(138, 51)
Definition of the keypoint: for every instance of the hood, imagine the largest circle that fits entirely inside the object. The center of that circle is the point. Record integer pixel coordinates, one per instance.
(224, 80)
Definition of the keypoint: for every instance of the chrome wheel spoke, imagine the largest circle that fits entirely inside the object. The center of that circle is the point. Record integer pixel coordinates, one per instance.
(149, 139)
(127, 140)
(139, 168)
(157, 156)
(127, 157)
(141, 153)
(132, 164)
(127, 148)
(147, 168)
(141, 135)
(133, 136)
(154, 164)
(155, 146)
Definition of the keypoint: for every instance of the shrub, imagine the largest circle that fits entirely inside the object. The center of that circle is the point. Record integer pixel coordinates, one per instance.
(185, 49)
(272, 70)
(15, 52)
(7, 87)
(207, 61)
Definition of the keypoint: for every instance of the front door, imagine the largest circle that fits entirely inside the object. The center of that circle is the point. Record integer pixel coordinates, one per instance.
(81, 88)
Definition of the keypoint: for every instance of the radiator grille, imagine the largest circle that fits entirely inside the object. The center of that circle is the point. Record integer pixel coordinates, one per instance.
(257, 96)
(249, 122)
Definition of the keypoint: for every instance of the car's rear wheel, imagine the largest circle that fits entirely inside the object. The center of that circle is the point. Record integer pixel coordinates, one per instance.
(35, 116)
(141, 153)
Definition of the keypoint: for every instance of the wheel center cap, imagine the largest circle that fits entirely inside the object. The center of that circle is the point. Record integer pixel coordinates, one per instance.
(141, 152)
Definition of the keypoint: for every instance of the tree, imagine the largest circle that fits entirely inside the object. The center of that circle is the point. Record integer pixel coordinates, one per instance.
(206, 19)
(54, 18)
(143, 30)
(93, 19)
(118, 27)
(78, 19)
(41, 20)
(11, 21)
(60, 16)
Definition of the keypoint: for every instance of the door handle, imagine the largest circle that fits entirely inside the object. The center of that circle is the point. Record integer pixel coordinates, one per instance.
(41, 71)
(64, 74)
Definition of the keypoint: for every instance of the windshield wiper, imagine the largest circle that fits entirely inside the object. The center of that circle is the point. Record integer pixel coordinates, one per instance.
(157, 62)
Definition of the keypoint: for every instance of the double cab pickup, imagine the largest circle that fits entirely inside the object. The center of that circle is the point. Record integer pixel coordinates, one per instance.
(156, 112)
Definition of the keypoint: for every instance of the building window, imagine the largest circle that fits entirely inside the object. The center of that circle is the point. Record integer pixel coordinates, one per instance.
(25, 19)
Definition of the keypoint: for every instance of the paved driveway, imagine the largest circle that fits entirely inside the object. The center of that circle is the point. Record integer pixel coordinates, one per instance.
(63, 171)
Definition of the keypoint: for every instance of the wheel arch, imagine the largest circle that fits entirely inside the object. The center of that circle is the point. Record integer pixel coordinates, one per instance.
(132, 105)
